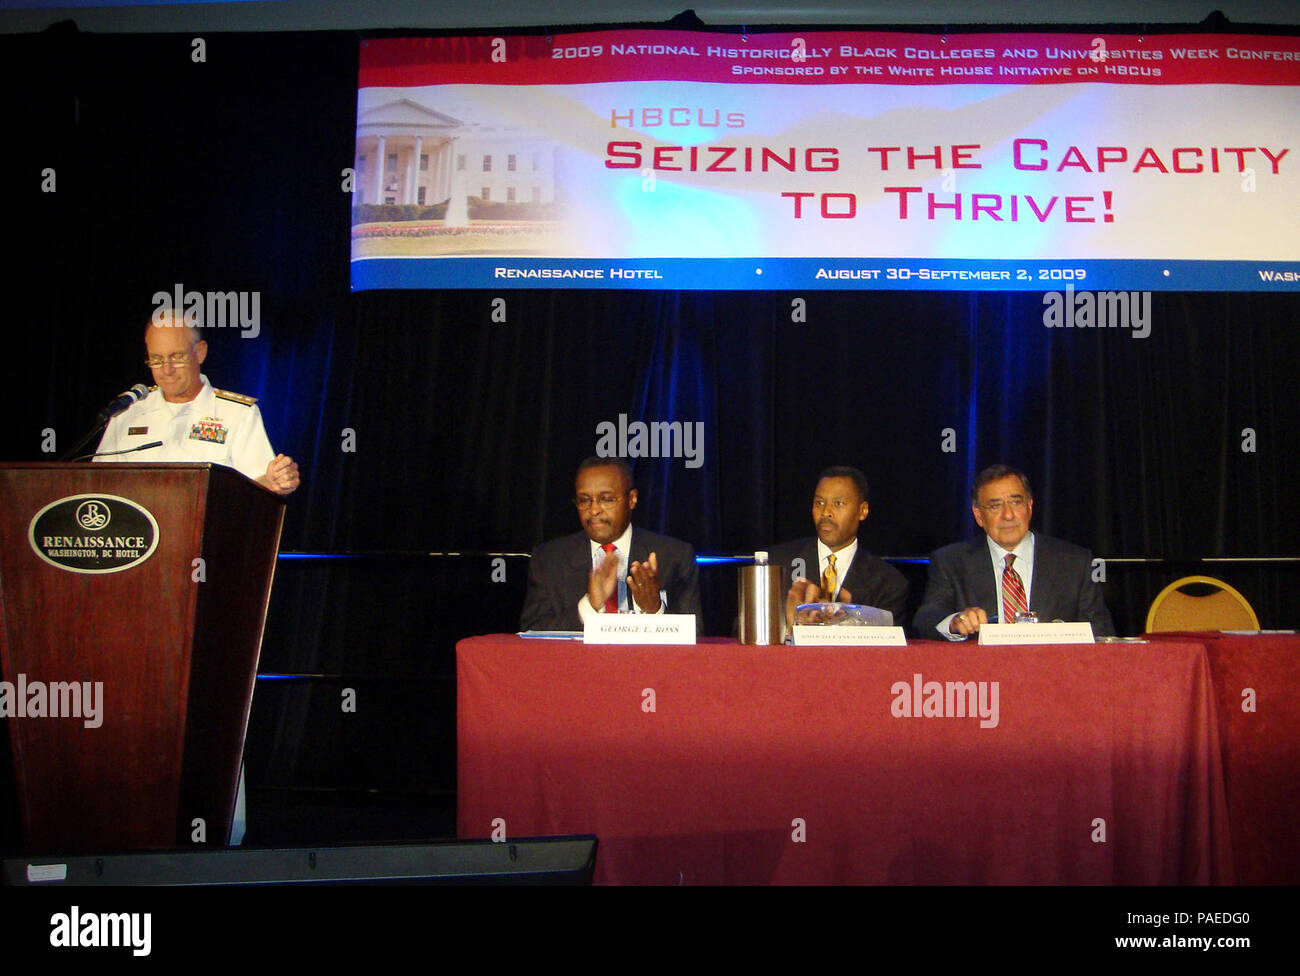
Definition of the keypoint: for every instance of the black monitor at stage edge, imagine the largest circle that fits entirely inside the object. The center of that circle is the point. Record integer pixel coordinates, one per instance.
(527, 861)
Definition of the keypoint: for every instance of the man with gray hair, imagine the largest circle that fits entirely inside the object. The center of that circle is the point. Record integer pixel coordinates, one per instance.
(1008, 570)
(193, 421)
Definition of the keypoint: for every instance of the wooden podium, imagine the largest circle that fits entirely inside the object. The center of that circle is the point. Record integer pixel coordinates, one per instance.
(148, 582)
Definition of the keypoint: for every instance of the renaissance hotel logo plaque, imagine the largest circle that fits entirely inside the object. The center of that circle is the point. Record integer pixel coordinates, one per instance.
(93, 533)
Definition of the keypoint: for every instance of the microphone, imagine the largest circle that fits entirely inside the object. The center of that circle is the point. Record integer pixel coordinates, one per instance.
(122, 401)
(126, 450)
(115, 406)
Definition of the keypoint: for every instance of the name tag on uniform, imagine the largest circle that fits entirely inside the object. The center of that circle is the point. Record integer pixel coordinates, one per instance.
(136, 431)
(209, 429)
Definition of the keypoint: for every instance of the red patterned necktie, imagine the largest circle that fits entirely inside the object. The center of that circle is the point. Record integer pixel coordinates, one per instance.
(611, 605)
(1013, 592)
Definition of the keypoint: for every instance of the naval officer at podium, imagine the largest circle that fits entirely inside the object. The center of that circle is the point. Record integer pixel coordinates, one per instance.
(194, 421)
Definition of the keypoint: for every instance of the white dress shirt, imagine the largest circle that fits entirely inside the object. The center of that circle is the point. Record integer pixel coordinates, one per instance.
(1024, 565)
(843, 560)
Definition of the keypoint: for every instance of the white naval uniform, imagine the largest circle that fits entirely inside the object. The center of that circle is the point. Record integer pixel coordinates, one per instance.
(217, 426)
(225, 428)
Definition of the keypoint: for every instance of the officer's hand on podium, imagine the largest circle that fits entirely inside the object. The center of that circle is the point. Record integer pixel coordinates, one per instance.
(281, 475)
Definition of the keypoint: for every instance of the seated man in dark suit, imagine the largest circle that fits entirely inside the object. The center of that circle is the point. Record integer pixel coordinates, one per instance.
(833, 566)
(609, 567)
(1008, 569)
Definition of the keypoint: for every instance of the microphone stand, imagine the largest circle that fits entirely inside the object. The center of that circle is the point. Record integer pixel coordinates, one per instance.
(94, 432)
(118, 405)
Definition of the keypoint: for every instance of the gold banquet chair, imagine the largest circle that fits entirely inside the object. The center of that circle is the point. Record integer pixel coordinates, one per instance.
(1222, 609)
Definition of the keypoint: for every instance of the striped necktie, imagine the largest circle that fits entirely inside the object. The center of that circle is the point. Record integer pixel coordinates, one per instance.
(1013, 592)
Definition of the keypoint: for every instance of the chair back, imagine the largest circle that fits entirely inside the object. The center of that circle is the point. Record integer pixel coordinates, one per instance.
(1222, 609)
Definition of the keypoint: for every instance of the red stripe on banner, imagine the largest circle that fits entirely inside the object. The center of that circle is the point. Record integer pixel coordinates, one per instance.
(841, 57)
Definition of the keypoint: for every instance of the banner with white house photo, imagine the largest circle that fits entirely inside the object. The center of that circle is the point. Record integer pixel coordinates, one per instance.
(663, 159)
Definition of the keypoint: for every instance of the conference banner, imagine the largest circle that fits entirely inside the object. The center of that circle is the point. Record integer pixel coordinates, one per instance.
(684, 160)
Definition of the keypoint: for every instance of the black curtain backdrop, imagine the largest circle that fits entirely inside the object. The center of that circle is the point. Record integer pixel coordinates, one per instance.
(226, 175)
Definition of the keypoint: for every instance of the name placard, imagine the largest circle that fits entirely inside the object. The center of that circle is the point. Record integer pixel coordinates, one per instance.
(640, 628)
(47, 872)
(806, 635)
(1075, 633)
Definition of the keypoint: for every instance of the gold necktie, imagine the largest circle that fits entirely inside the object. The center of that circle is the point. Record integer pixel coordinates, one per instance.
(829, 579)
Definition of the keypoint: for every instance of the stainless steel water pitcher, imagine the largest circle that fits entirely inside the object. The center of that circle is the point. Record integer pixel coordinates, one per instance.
(761, 602)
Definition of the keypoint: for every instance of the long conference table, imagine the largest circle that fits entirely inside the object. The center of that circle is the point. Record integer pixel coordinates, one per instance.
(725, 763)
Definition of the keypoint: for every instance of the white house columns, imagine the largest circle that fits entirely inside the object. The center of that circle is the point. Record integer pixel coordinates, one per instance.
(501, 163)
(381, 158)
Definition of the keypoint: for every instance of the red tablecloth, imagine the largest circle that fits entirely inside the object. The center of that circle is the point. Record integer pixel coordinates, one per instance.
(1257, 689)
(788, 764)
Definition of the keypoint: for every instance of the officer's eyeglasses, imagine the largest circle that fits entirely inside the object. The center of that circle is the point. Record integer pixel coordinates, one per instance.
(174, 359)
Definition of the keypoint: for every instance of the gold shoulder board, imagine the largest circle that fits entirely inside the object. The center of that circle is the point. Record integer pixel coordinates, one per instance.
(247, 401)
